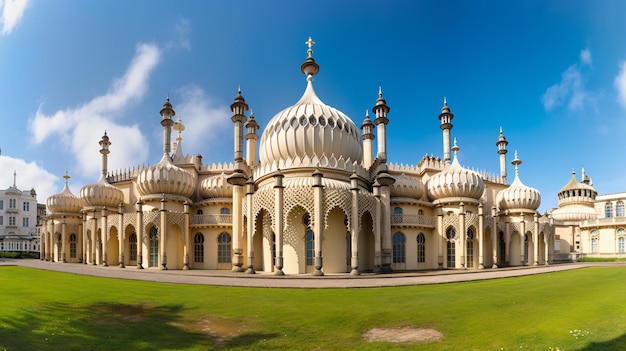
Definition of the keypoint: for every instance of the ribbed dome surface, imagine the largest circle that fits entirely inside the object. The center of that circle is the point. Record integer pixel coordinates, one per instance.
(216, 187)
(101, 194)
(307, 129)
(518, 196)
(406, 186)
(165, 178)
(574, 213)
(64, 202)
(455, 181)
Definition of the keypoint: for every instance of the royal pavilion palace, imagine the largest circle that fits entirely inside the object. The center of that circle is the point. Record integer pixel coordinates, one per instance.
(313, 194)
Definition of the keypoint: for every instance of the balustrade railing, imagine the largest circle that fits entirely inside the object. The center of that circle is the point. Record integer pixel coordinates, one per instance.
(212, 219)
(416, 220)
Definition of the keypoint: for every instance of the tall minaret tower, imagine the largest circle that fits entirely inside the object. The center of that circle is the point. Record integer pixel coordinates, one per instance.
(446, 124)
(380, 110)
(367, 127)
(501, 144)
(239, 107)
(167, 112)
(104, 151)
(251, 138)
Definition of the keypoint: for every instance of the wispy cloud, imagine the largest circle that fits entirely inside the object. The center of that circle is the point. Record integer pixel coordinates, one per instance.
(571, 90)
(203, 118)
(620, 84)
(183, 33)
(80, 128)
(12, 13)
(29, 175)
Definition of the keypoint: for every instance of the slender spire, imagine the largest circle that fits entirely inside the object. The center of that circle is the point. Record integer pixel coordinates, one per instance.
(516, 162)
(14, 177)
(309, 67)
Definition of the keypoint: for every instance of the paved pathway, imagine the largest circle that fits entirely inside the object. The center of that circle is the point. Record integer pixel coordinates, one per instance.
(225, 278)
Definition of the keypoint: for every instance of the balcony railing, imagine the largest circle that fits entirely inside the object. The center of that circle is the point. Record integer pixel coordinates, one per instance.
(212, 219)
(413, 220)
(604, 222)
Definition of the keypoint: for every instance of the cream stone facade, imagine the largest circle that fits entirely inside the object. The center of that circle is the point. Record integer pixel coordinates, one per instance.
(18, 219)
(315, 194)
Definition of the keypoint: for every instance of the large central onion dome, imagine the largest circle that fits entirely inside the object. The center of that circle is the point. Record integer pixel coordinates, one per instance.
(310, 128)
(576, 200)
(518, 196)
(455, 182)
(65, 201)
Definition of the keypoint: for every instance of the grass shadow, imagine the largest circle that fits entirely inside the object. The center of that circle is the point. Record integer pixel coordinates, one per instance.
(109, 326)
(618, 343)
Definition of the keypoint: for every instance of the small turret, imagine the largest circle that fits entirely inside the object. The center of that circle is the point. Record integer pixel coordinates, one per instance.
(501, 144)
(380, 110)
(446, 125)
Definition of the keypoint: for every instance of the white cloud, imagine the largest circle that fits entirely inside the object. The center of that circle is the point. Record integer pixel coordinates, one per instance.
(12, 13)
(620, 84)
(80, 128)
(585, 57)
(203, 119)
(29, 176)
(570, 91)
(183, 32)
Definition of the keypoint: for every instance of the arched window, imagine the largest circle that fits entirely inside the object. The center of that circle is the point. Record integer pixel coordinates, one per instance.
(224, 210)
(620, 244)
(154, 247)
(399, 245)
(224, 248)
(397, 215)
(72, 245)
(132, 247)
(619, 209)
(608, 210)
(470, 248)
(397, 211)
(59, 249)
(199, 212)
(310, 247)
(451, 249)
(198, 248)
(420, 212)
(421, 248)
(594, 244)
(348, 248)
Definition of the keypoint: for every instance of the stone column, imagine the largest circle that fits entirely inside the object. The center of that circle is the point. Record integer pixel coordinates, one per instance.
(237, 180)
(95, 247)
(523, 225)
(440, 237)
(494, 239)
(163, 235)
(105, 236)
(462, 237)
(80, 236)
(139, 228)
(536, 240)
(318, 220)
(279, 217)
(121, 233)
(386, 180)
(507, 242)
(63, 241)
(481, 236)
(187, 235)
(250, 227)
(354, 225)
(377, 230)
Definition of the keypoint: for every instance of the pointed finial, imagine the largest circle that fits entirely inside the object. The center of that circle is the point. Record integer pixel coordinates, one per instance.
(239, 89)
(445, 101)
(380, 91)
(66, 176)
(500, 129)
(367, 113)
(14, 176)
(516, 162)
(310, 44)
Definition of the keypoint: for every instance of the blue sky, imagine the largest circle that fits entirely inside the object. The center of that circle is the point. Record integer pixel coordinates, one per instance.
(552, 74)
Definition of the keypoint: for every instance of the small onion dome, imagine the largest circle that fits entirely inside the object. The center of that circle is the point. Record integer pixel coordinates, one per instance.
(455, 182)
(65, 201)
(574, 213)
(406, 186)
(101, 194)
(165, 178)
(216, 187)
(518, 195)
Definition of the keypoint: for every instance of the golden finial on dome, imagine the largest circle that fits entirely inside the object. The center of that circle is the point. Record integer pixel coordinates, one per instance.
(310, 44)
(66, 176)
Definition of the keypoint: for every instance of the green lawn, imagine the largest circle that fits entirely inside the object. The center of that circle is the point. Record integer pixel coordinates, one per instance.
(42, 310)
